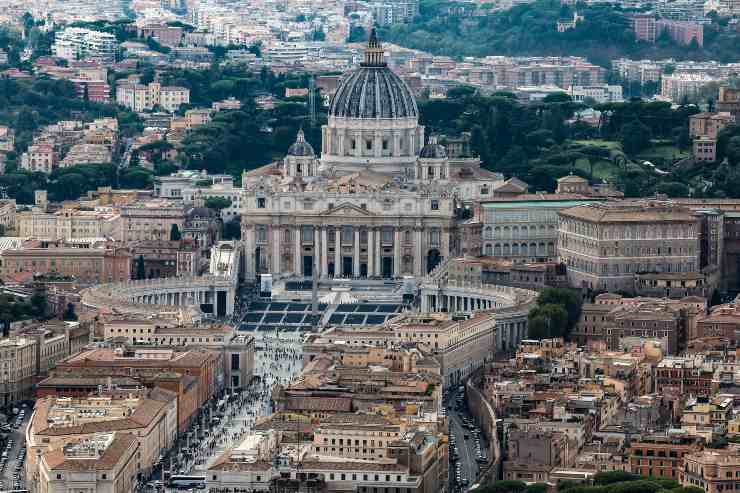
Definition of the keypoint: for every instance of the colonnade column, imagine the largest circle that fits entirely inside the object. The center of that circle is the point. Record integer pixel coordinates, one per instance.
(324, 253)
(297, 259)
(356, 262)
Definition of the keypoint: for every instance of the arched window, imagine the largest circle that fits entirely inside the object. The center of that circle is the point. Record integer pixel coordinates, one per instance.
(489, 249)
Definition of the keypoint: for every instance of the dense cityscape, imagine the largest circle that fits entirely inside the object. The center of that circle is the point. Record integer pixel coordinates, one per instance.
(370, 246)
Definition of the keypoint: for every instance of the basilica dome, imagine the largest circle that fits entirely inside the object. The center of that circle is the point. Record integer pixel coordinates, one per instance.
(373, 90)
(300, 147)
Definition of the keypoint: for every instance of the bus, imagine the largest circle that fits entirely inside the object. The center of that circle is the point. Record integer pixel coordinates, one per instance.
(180, 481)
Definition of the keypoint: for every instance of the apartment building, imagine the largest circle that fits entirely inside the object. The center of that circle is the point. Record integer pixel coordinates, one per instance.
(104, 463)
(531, 455)
(76, 43)
(713, 470)
(729, 100)
(660, 455)
(40, 157)
(194, 375)
(679, 86)
(8, 216)
(18, 361)
(139, 97)
(237, 351)
(461, 346)
(150, 416)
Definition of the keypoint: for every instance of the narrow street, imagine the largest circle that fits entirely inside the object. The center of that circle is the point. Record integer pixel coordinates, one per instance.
(228, 419)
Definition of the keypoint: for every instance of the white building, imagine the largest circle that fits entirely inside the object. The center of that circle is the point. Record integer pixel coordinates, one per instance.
(76, 43)
(601, 93)
(138, 97)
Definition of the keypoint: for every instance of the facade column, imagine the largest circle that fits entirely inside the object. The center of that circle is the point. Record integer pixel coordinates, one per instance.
(337, 252)
(378, 252)
(356, 260)
(396, 252)
(276, 250)
(316, 264)
(370, 252)
(418, 264)
(249, 251)
(297, 259)
(324, 253)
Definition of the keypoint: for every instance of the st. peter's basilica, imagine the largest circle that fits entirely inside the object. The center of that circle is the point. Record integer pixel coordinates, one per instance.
(379, 202)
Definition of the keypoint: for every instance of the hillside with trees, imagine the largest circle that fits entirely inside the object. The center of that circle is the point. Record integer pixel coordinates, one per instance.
(530, 30)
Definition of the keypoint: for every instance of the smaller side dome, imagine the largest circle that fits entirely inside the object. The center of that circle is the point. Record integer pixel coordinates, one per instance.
(433, 150)
(300, 147)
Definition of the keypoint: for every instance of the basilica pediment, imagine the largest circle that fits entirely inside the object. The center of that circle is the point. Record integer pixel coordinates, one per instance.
(347, 210)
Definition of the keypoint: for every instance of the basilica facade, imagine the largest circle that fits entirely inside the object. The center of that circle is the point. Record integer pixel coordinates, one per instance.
(381, 201)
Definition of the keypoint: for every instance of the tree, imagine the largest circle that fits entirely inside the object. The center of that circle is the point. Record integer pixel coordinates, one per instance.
(635, 137)
(232, 230)
(609, 477)
(140, 268)
(550, 320)
(566, 298)
(506, 486)
(39, 304)
(69, 313)
(217, 203)
(175, 233)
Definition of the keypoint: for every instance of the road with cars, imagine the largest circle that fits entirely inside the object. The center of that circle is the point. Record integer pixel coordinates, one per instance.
(467, 444)
(13, 455)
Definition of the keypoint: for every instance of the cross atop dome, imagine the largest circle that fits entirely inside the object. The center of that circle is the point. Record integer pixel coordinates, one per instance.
(374, 53)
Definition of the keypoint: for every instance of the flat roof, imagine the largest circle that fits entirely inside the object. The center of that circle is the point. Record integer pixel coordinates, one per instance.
(536, 203)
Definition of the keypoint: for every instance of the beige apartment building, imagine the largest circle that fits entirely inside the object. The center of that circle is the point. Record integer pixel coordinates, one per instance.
(150, 417)
(237, 350)
(8, 216)
(104, 463)
(139, 97)
(18, 360)
(365, 437)
(713, 470)
(461, 346)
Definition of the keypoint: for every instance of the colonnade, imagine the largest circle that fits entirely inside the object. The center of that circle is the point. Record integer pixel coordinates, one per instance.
(456, 303)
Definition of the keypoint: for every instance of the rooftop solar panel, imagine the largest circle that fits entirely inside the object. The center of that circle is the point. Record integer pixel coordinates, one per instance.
(253, 317)
(278, 307)
(258, 306)
(336, 318)
(297, 307)
(375, 319)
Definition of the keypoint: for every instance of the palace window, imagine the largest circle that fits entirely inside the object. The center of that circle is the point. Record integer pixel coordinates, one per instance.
(261, 203)
(262, 234)
(387, 235)
(435, 205)
(368, 144)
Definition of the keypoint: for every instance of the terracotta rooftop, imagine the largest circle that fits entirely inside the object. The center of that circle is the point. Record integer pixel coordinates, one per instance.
(107, 461)
(637, 211)
(331, 404)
